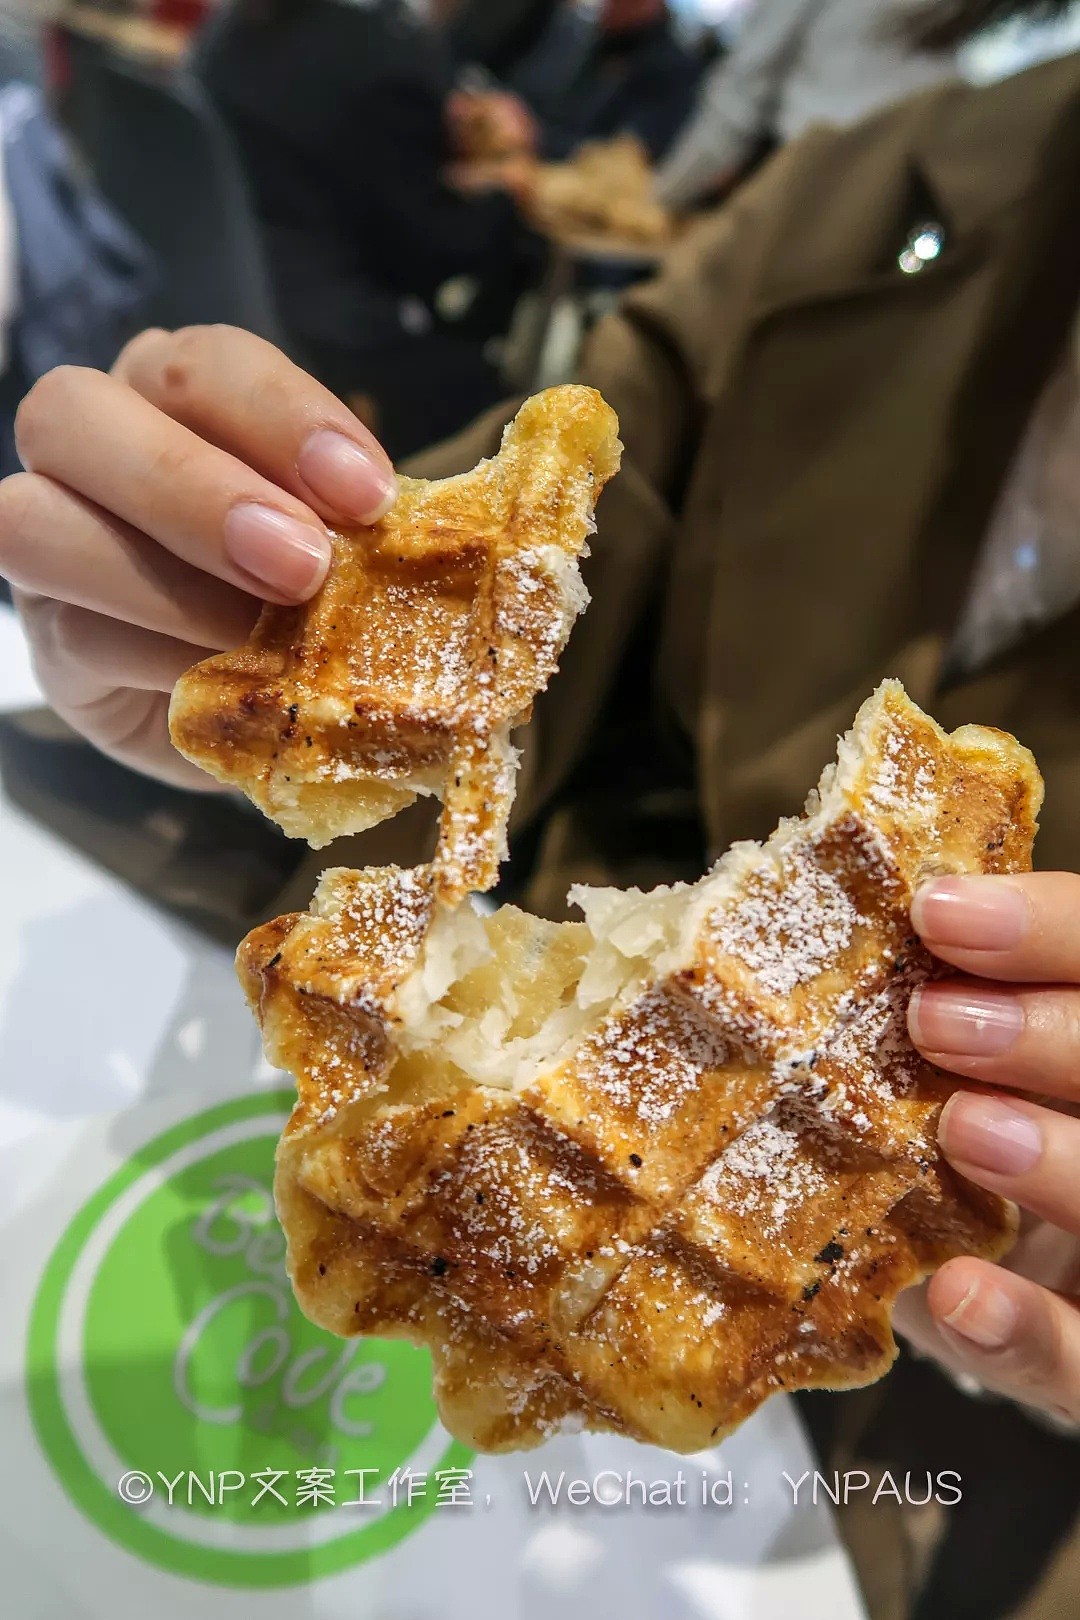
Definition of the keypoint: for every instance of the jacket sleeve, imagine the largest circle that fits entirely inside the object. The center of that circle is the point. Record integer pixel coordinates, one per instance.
(738, 102)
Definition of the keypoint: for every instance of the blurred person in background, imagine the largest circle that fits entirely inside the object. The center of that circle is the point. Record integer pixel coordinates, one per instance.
(627, 70)
(850, 407)
(21, 22)
(339, 111)
(497, 35)
(614, 69)
(796, 63)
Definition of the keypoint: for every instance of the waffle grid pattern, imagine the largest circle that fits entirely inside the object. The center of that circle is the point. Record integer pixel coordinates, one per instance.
(719, 1192)
(425, 647)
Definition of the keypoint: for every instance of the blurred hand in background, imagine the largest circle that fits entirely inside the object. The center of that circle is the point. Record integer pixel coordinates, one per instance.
(491, 124)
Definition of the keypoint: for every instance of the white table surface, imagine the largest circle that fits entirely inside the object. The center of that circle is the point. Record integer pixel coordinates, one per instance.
(109, 1007)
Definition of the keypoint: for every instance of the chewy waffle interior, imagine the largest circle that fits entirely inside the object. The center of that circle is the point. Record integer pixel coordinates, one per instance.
(641, 1171)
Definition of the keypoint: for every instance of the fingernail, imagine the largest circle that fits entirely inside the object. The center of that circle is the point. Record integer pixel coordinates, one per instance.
(985, 1315)
(279, 552)
(988, 1133)
(976, 913)
(963, 1022)
(354, 481)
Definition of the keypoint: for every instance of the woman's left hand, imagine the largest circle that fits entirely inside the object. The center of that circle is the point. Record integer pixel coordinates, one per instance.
(1011, 1020)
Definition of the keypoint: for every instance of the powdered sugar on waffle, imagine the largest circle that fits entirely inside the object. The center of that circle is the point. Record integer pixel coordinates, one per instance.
(545, 596)
(451, 610)
(335, 1067)
(911, 793)
(391, 919)
(791, 925)
(764, 1174)
(513, 1199)
(647, 1062)
(872, 1040)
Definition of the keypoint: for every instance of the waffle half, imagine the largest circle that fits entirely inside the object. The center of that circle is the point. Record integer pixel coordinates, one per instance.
(640, 1172)
(433, 633)
(605, 189)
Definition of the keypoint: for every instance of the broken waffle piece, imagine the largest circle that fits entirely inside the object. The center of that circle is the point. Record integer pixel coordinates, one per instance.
(641, 1171)
(406, 673)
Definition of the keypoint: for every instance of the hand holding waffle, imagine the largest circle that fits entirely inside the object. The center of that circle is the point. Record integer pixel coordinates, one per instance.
(161, 505)
(491, 124)
(1010, 1021)
(431, 636)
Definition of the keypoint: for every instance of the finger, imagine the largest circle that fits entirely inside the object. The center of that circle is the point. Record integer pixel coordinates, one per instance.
(1044, 1254)
(94, 435)
(241, 393)
(1024, 927)
(1014, 1337)
(915, 1322)
(84, 656)
(1001, 1035)
(1013, 1147)
(56, 544)
(129, 725)
(133, 728)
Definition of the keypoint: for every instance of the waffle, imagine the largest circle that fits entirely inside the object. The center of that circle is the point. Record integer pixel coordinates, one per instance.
(641, 1171)
(606, 189)
(434, 631)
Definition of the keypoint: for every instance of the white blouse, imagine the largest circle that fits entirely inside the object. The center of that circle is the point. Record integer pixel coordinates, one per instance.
(1028, 570)
(796, 63)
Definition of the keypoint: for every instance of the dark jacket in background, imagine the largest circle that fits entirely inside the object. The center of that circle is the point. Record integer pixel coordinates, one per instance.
(497, 34)
(83, 279)
(585, 84)
(338, 113)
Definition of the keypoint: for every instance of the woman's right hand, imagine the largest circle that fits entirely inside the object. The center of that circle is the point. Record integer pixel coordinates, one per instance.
(160, 505)
(1008, 1026)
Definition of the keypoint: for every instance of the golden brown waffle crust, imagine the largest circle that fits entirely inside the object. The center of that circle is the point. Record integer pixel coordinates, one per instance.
(640, 1172)
(407, 672)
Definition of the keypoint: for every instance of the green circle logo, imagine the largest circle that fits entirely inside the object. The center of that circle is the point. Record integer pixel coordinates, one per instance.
(186, 1405)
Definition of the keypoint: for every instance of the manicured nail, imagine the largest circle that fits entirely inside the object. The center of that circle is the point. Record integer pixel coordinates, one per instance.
(278, 551)
(964, 1022)
(986, 1315)
(354, 481)
(975, 913)
(988, 1133)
